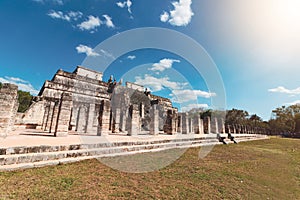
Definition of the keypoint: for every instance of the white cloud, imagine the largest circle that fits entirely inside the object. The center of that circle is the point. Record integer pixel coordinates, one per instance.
(107, 54)
(90, 24)
(124, 4)
(75, 15)
(121, 4)
(108, 21)
(283, 90)
(186, 95)
(179, 94)
(59, 2)
(181, 15)
(163, 64)
(87, 50)
(67, 17)
(157, 84)
(191, 106)
(22, 84)
(164, 17)
(131, 57)
(58, 15)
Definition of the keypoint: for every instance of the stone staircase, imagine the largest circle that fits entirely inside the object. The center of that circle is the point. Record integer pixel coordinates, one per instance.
(13, 158)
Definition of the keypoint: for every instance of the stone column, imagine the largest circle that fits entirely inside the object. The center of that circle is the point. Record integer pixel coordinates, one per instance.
(54, 117)
(174, 122)
(168, 122)
(73, 122)
(185, 123)
(104, 118)
(208, 125)
(134, 126)
(46, 113)
(228, 127)
(64, 115)
(237, 128)
(216, 125)
(179, 123)
(49, 117)
(154, 124)
(223, 126)
(201, 128)
(142, 110)
(8, 108)
(191, 125)
(197, 125)
(90, 121)
(117, 120)
(123, 119)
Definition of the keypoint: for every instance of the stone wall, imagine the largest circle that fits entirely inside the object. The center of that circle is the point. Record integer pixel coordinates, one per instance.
(8, 109)
(135, 86)
(34, 114)
(82, 71)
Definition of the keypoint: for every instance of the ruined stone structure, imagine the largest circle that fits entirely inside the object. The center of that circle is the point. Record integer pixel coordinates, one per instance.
(81, 102)
(8, 109)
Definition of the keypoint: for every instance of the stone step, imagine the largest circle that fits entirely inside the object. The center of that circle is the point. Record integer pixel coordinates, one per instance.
(228, 141)
(247, 139)
(48, 148)
(76, 159)
(43, 156)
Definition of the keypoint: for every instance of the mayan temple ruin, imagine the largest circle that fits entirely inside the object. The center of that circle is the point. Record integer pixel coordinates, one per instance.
(81, 102)
(86, 110)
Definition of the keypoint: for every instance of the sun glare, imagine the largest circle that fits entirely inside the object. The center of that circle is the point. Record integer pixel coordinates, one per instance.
(288, 11)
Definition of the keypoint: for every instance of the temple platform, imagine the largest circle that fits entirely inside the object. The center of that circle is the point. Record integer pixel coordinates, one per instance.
(32, 148)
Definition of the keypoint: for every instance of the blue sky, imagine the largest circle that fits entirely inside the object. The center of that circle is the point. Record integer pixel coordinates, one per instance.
(254, 43)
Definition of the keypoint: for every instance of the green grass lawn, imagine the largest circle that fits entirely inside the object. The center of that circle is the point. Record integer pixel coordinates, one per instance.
(267, 169)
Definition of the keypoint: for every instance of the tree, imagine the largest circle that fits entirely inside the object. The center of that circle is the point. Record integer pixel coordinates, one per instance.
(205, 114)
(0, 85)
(255, 118)
(236, 116)
(284, 119)
(25, 99)
(297, 121)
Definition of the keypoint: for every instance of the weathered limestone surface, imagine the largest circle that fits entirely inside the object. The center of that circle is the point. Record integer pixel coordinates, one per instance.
(170, 122)
(185, 123)
(208, 125)
(198, 127)
(154, 128)
(63, 118)
(116, 120)
(134, 126)
(104, 118)
(33, 117)
(191, 125)
(8, 109)
(214, 125)
(179, 123)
